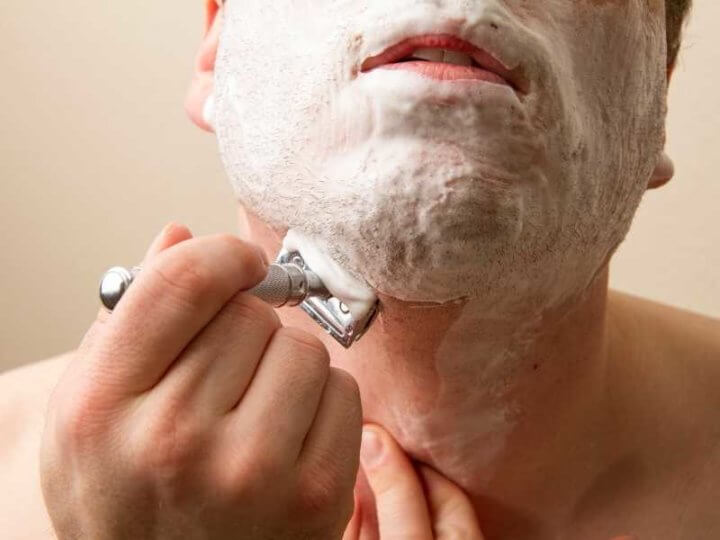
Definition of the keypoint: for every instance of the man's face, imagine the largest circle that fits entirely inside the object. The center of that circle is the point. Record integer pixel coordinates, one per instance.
(435, 190)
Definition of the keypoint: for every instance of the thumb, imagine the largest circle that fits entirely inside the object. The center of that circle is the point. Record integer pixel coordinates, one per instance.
(400, 502)
(452, 514)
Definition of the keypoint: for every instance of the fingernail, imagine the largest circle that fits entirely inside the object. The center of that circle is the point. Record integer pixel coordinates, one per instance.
(371, 449)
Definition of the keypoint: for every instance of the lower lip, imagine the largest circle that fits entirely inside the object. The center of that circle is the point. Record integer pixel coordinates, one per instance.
(447, 72)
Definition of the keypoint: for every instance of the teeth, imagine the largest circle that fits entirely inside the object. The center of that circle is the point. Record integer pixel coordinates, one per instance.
(459, 58)
(432, 55)
(443, 55)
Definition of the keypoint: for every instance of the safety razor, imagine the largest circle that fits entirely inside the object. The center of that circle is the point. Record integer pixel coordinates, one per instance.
(289, 282)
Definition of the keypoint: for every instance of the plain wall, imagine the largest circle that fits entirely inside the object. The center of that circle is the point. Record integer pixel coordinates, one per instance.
(96, 155)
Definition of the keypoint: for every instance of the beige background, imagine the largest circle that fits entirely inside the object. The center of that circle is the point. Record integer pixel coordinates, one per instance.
(96, 155)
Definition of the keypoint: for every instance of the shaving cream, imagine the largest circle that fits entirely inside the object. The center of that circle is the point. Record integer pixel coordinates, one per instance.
(434, 191)
(355, 294)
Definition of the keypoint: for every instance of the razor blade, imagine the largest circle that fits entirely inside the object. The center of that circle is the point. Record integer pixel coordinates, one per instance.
(324, 308)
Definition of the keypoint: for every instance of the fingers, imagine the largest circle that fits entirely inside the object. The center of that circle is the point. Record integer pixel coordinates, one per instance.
(284, 394)
(178, 292)
(213, 372)
(331, 449)
(452, 514)
(171, 234)
(401, 508)
(352, 530)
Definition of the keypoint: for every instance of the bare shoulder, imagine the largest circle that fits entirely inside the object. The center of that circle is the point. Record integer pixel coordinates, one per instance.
(677, 378)
(24, 394)
(676, 350)
(674, 330)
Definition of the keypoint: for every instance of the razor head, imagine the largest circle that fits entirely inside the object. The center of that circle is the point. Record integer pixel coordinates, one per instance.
(327, 310)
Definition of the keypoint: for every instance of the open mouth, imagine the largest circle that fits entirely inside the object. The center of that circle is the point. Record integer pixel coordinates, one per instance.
(444, 57)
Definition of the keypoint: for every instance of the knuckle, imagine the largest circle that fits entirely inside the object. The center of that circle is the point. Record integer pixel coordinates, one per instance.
(267, 465)
(304, 344)
(345, 384)
(316, 497)
(167, 445)
(319, 493)
(347, 393)
(306, 358)
(248, 473)
(249, 310)
(247, 252)
(187, 278)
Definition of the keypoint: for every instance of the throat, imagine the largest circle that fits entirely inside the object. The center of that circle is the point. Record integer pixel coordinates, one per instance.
(475, 398)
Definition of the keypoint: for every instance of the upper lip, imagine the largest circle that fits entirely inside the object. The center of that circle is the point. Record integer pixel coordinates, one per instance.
(484, 59)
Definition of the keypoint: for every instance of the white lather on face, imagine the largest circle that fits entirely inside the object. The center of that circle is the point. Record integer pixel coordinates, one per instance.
(427, 192)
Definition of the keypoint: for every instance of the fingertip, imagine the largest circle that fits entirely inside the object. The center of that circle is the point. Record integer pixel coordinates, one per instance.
(395, 485)
(450, 506)
(176, 232)
(171, 234)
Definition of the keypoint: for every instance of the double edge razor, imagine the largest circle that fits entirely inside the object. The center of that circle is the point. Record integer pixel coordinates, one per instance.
(289, 282)
(315, 300)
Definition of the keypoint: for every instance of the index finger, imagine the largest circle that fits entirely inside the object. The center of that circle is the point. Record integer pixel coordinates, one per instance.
(178, 292)
(170, 235)
(402, 510)
(450, 508)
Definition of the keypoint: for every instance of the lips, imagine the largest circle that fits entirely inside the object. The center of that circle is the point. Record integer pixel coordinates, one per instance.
(485, 66)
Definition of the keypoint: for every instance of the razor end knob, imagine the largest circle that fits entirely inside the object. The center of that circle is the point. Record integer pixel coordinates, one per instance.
(113, 285)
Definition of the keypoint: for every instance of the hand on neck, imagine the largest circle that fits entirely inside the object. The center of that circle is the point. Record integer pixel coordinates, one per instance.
(499, 405)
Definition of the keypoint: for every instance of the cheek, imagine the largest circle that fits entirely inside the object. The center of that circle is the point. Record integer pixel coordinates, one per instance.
(653, 7)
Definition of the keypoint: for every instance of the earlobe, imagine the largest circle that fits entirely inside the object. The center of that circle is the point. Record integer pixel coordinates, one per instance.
(200, 101)
(663, 173)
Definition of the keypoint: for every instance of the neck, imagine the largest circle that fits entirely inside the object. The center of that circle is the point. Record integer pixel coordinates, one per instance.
(497, 405)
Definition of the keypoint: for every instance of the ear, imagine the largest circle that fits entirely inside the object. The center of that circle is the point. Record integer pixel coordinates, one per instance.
(200, 101)
(663, 173)
(665, 168)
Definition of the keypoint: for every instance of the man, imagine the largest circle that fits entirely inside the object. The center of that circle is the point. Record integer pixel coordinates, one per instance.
(482, 202)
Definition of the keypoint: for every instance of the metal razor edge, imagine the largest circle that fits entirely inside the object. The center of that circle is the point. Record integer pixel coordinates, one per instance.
(327, 310)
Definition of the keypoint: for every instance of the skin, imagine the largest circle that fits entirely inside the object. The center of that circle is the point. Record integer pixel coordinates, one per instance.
(614, 427)
(176, 436)
(429, 194)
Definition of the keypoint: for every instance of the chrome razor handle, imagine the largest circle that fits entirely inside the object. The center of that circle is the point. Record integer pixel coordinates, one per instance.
(289, 282)
(285, 285)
